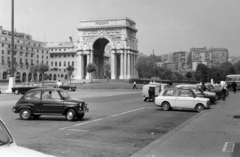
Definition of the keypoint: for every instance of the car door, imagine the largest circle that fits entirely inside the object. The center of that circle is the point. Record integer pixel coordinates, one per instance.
(34, 99)
(170, 97)
(184, 99)
(51, 102)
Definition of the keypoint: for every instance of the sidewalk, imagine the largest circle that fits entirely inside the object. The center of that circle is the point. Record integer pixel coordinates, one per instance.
(212, 133)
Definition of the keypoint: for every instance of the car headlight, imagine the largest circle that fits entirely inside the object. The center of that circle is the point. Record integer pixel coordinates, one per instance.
(80, 105)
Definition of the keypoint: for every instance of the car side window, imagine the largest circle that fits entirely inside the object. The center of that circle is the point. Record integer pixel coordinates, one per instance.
(184, 93)
(35, 95)
(168, 93)
(50, 95)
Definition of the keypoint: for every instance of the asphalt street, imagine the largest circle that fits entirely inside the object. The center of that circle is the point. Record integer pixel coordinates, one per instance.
(119, 123)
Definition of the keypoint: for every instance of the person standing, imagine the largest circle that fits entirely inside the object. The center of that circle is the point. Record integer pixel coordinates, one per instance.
(134, 85)
(59, 83)
(224, 88)
(203, 87)
(234, 86)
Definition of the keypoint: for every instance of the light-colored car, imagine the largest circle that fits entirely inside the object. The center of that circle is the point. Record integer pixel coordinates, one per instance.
(171, 98)
(9, 148)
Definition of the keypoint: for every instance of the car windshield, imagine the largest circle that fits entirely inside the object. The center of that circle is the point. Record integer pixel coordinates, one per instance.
(64, 94)
(5, 137)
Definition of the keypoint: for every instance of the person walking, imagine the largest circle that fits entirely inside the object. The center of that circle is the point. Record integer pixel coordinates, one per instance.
(224, 88)
(203, 86)
(134, 85)
(234, 86)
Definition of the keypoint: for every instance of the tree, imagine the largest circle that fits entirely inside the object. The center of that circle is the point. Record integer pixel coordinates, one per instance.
(237, 67)
(107, 70)
(70, 70)
(91, 67)
(202, 73)
(189, 75)
(42, 68)
(227, 68)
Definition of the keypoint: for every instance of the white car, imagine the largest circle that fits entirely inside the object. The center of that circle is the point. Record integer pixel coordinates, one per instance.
(9, 148)
(171, 98)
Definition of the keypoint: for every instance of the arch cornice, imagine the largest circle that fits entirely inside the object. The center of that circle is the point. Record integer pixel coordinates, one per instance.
(106, 27)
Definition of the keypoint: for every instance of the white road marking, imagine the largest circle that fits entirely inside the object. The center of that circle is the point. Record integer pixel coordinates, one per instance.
(78, 130)
(102, 118)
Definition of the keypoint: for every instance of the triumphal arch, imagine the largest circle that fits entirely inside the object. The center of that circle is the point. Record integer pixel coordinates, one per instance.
(109, 41)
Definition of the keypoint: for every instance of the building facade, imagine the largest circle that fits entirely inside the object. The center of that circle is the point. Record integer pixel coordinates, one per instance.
(27, 52)
(219, 56)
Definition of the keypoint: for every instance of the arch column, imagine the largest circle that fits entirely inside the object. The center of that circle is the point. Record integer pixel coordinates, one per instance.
(113, 65)
(134, 64)
(129, 64)
(125, 64)
(88, 61)
(121, 65)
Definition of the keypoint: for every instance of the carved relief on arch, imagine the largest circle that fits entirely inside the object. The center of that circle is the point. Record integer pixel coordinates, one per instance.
(85, 46)
(119, 45)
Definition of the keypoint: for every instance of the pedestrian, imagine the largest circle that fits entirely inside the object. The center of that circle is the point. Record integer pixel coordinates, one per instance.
(203, 86)
(224, 88)
(151, 93)
(234, 86)
(59, 83)
(134, 85)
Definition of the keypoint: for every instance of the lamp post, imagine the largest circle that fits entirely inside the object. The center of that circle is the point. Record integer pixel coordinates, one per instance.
(12, 78)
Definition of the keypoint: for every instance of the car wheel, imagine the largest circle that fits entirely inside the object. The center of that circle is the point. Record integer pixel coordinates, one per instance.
(199, 108)
(25, 114)
(166, 106)
(36, 116)
(80, 116)
(71, 115)
(16, 92)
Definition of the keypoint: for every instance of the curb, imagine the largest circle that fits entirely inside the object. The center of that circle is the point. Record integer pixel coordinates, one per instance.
(160, 140)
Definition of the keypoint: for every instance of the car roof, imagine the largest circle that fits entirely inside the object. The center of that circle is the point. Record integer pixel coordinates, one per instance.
(191, 86)
(176, 88)
(47, 89)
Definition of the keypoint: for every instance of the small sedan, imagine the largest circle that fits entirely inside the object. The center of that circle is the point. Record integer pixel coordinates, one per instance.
(67, 86)
(49, 101)
(181, 99)
(199, 92)
(9, 148)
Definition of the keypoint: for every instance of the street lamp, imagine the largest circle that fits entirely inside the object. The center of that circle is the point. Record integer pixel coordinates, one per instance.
(11, 78)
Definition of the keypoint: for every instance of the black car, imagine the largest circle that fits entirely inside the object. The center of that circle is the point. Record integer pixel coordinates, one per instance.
(24, 88)
(66, 87)
(49, 101)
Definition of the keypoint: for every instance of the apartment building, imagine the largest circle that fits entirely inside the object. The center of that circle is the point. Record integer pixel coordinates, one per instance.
(27, 52)
(219, 55)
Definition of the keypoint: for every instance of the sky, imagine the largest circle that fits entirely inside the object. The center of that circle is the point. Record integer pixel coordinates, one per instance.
(163, 25)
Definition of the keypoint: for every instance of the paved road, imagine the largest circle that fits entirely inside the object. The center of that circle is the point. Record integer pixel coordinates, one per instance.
(119, 124)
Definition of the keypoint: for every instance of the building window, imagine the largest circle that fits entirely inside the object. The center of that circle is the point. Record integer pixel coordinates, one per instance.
(2, 51)
(64, 56)
(47, 57)
(26, 54)
(42, 57)
(55, 63)
(2, 45)
(37, 61)
(47, 62)
(9, 46)
(73, 63)
(37, 56)
(42, 62)
(51, 63)
(2, 59)
(72, 55)
(26, 61)
(68, 63)
(59, 63)
(64, 63)
(31, 62)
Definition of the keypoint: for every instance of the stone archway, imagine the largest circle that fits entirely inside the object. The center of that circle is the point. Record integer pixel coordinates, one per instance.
(120, 36)
(29, 77)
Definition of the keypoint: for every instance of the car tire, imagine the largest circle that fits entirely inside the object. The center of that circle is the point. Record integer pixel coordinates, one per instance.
(199, 108)
(16, 92)
(166, 106)
(71, 115)
(36, 116)
(25, 114)
(80, 116)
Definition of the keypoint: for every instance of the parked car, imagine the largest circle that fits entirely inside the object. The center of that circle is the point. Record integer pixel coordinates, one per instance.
(211, 88)
(199, 92)
(145, 91)
(67, 86)
(49, 101)
(23, 88)
(171, 98)
(9, 148)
